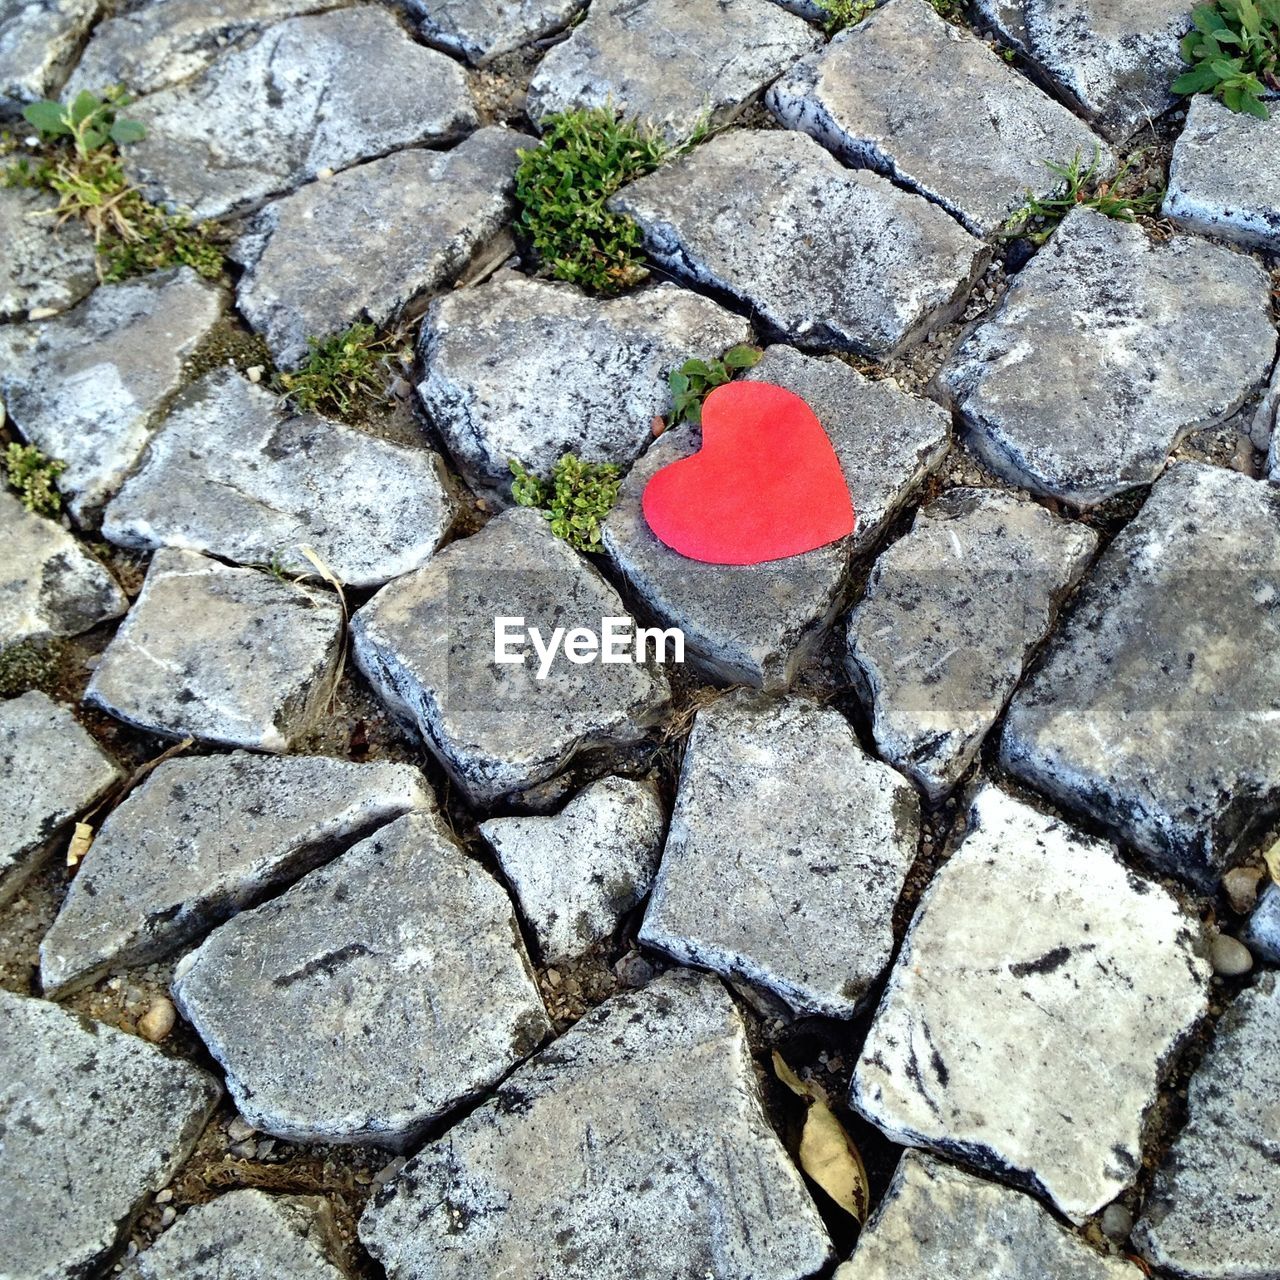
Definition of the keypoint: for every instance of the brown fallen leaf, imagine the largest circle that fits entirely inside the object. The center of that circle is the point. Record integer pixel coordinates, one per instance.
(81, 839)
(1272, 859)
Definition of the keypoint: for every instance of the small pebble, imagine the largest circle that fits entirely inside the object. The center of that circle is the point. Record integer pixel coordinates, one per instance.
(168, 1217)
(158, 1020)
(239, 1129)
(1117, 1222)
(1240, 884)
(1229, 957)
(390, 1171)
(243, 1150)
(254, 372)
(633, 970)
(163, 1197)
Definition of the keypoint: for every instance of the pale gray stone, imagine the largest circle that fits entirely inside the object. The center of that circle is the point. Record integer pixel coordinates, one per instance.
(1264, 430)
(45, 266)
(38, 42)
(937, 1221)
(578, 873)
(674, 64)
(1141, 715)
(1007, 18)
(86, 386)
(1107, 350)
(519, 368)
(49, 585)
(1039, 997)
(394, 980)
(479, 30)
(94, 1120)
(1224, 179)
(952, 612)
(1214, 1210)
(50, 771)
(827, 256)
(239, 473)
(787, 851)
(634, 1148)
(233, 656)
(1262, 932)
(371, 242)
(312, 93)
(972, 135)
(426, 643)
(760, 624)
(204, 838)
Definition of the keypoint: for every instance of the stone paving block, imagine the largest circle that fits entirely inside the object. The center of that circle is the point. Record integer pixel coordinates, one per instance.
(972, 135)
(952, 612)
(1107, 350)
(371, 242)
(94, 1120)
(520, 368)
(237, 472)
(1262, 932)
(633, 1146)
(674, 64)
(827, 256)
(44, 267)
(312, 93)
(1038, 1000)
(233, 656)
(38, 42)
(396, 984)
(204, 838)
(1141, 714)
(787, 851)
(480, 30)
(85, 387)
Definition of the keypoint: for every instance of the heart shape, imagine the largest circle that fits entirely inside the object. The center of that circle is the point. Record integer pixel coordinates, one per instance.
(765, 485)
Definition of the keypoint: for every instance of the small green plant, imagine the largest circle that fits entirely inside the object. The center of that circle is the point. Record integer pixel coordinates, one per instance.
(33, 475)
(562, 185)
(845, 13)
(577, 497)
(344, 374)
(90, 122)
(691, 382)
(1234, 53)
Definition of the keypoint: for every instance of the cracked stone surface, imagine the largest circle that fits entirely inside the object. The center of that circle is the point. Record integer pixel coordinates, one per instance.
(426, 643)
(787, 851)
(951, 613)
(1006, 18)
(369, 243)
(937, 1220)
(1109, 348)
(1137, 716)
(77, 1163)
(998, 1045)
(44, 268)
(51, 770)
(398, 982)
(38, 42)
(480, 30)
(972, 137)
(312, 93)
(85, 387)
(1262, 932)
(1214, 1210)
(736, 214)
(670, 63)
(204, 838)
(520, 368)
(237, 472)
(577, 874)
(606, 1158)
(233, 656)
(759, 624)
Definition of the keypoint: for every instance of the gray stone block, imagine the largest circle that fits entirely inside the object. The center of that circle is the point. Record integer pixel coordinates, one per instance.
(45, 266)
(38, 42)
(480, 30)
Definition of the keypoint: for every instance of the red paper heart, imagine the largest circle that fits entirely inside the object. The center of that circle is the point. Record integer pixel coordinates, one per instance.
(765, 485)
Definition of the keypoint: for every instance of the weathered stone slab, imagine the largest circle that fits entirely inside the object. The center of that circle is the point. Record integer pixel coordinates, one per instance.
(370, 242)
(608, 1147)
(519, 368)
(50, 771)
(951, 613)
(479, 30)
(1138, 715)
(237, 472)
(973, 134)
(312, 93)
(86, 386)
(205, 838)
(787, 851)
(936, 1220)
(996, 1039)
(674, 64)
(233, 656)
(1109, 348)
(760, 624)
(1214, 1210)
(1262, 932)
(38, 41)
(93, 1120)
(738, 214)
(394, 979)
(45, 266)
(49, 585)
(578, 873)
(1007, 18)
(426, 643)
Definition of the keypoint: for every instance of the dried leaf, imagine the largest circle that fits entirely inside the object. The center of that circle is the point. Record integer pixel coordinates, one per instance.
(790, 1079)
(1272, 859)
(81, 839)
